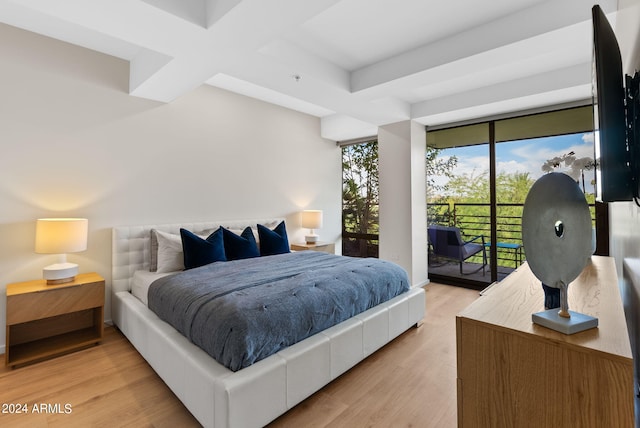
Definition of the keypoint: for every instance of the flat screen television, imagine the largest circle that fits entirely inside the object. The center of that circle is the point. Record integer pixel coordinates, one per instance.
(612, 151)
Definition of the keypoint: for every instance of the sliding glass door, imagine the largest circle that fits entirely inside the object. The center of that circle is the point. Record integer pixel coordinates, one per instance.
(479, 188)
(459, 204)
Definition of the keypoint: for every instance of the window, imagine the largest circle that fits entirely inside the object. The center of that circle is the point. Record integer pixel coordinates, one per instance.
(360, 224)
(481, 174)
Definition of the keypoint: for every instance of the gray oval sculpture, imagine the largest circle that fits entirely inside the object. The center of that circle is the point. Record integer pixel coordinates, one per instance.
(556, 234)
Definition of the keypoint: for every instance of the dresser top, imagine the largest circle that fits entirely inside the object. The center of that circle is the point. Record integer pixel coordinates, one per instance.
(510, 303)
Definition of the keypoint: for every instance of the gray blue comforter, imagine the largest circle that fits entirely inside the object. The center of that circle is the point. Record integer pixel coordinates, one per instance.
(242, 311)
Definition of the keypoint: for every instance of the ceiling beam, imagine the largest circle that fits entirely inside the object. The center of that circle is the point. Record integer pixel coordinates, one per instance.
(266, 71)
(576, 78)
(524, 24)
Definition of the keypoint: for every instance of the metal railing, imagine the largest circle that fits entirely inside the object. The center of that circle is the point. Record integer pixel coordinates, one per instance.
(474, 219)
(359, 244)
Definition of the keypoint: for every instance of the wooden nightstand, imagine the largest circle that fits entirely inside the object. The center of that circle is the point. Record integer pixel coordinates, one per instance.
(326, 247)
(48, 320)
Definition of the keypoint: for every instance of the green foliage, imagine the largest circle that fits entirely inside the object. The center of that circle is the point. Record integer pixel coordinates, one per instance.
(360, 188)
(469, 196)
(438, 167)
(466, 204)
(435, 166)
(474, 188)
(513, 188)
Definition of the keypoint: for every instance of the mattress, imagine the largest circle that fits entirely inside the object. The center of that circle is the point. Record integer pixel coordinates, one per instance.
(141, 281)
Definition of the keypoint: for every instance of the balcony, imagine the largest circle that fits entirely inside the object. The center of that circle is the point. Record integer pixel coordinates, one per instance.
(473, 219)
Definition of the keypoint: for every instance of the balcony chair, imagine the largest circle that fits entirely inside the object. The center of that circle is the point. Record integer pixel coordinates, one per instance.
(447, 242)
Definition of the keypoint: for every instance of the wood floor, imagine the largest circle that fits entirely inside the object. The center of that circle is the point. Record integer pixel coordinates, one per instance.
(409, 383)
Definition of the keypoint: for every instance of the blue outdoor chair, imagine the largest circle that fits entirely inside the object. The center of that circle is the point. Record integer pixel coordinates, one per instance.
(447, 242)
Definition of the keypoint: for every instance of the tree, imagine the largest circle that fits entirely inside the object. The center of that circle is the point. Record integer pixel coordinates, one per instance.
(473, 188)
(360, 190)
(513, 188)
(437, 167)
(469, 187)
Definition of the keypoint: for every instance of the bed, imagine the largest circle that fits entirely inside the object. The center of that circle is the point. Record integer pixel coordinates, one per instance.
(216, 395)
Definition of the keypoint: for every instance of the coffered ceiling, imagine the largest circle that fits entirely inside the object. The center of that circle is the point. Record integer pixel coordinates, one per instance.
(357, 64)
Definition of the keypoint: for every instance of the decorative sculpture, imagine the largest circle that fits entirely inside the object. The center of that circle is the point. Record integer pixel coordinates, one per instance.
(556, 233)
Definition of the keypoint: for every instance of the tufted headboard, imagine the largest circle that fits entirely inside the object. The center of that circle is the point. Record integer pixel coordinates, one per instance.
(131, 245)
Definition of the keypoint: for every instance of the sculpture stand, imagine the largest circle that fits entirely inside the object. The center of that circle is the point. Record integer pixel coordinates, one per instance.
(564, 320)
(576, 323)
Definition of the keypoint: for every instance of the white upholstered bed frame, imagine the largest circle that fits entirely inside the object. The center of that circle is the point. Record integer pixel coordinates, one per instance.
(254, 396)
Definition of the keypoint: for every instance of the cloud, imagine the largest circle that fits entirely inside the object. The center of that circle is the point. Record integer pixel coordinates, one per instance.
(526, 156)
(533, 157)
(472, 165)
(511, 167)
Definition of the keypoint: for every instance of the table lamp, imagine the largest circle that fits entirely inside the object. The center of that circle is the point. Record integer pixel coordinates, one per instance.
(311, 219)
(61, 236)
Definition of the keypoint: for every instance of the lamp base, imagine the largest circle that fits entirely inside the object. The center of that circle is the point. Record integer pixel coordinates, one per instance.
(311, 239)
(576, 323)
(60, 273)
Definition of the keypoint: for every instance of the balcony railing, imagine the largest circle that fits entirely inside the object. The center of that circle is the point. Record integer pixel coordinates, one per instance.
(359, 244)
(474, 219)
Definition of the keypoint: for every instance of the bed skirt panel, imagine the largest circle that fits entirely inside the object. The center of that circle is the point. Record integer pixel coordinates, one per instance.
(346, 349)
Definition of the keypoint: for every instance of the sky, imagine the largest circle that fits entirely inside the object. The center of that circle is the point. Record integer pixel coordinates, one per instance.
(522, 156)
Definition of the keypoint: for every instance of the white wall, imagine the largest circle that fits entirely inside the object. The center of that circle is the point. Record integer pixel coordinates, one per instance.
(624, 217)
(74, 143)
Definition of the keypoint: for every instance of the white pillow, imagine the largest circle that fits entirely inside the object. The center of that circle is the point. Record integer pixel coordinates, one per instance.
(170, 255)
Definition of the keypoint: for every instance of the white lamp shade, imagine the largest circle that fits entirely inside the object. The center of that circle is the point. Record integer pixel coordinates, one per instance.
(312, 219)
(61, 235)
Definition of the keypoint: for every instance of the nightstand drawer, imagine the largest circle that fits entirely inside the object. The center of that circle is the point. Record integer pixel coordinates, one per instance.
(48, 303)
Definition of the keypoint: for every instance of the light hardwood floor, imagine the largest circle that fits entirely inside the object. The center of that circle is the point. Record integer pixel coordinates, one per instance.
(410, 382)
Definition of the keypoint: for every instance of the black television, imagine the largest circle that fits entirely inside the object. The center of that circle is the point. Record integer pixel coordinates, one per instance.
(614, 124)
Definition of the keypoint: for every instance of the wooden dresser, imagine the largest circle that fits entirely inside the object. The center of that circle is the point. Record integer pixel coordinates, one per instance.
(513, 373)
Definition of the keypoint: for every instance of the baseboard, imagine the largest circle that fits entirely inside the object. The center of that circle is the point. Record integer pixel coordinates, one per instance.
(421, 284)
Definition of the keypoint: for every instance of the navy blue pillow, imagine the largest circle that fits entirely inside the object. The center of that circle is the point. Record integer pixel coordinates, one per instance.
(199, 252)
(273, 241)
(240, 247)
